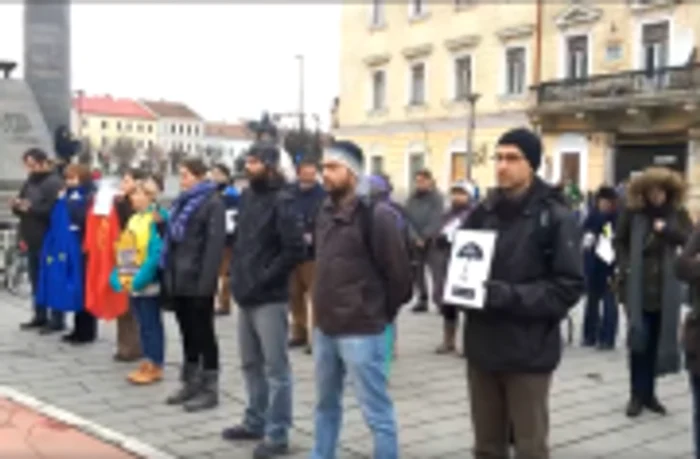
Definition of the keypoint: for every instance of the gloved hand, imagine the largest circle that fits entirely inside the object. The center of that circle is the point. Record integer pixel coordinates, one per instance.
(499, 294)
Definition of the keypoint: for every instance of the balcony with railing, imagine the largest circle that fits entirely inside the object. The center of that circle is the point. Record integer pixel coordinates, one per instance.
(658, 87)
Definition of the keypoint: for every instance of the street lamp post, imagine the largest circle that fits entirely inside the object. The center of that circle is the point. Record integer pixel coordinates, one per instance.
(300, 58)
(472, 98)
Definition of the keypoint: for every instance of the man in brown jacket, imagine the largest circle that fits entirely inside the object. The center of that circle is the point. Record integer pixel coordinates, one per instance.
(363, 276)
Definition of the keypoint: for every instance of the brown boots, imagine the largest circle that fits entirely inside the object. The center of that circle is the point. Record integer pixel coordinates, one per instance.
(448, 339)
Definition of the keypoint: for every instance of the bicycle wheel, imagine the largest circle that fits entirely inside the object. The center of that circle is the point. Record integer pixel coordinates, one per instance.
(17, 277)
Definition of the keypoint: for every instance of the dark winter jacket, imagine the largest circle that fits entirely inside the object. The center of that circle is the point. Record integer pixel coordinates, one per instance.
(357, 292)
(598, 273)
(191, 268)
(306, 205)
(532, 291)
(41, 190)
(688, 270)
(268, 243)
(424, 212)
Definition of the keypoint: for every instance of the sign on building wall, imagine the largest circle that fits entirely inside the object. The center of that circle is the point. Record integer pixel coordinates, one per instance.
(47, 58)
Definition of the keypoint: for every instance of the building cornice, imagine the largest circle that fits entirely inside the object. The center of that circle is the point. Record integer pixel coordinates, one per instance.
(417, 52)
(577, 15)
(516, 32)
(503, 119)
(462, 42)
(375, 60)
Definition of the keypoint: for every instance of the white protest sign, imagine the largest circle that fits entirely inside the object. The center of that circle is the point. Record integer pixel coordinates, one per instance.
(469, 268)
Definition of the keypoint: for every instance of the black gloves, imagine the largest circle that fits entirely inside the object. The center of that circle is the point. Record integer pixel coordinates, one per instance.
(499, 295)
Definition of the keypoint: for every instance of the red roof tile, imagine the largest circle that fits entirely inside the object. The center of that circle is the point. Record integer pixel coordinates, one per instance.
(109, 106)
(230, 131)
(171, 109)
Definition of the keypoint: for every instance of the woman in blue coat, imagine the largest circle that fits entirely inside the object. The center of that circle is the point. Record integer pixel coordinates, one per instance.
(78, 195)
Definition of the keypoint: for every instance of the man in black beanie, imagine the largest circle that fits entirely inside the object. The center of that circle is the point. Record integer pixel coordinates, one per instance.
(267, 244)
(513, 344)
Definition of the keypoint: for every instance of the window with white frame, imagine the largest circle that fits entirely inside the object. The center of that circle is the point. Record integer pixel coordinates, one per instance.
(377, 13)
(462, 77)
(515, 70)
(417, 96)
(577, 57)
(378, 89)
(417, 8)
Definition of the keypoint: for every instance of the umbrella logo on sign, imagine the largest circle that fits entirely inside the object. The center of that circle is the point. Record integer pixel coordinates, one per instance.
(469, 252)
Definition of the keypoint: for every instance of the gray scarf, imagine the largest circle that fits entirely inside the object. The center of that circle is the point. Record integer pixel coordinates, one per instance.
(668, 359)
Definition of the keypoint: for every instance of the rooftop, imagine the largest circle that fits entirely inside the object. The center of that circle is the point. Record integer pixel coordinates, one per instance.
(229, 131)
(109, 106)
(167, 109)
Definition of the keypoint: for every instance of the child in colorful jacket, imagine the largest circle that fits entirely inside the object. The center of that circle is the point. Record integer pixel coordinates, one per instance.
(138, 253)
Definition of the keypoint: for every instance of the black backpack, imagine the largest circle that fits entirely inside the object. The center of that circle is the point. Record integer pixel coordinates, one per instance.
(366, 215)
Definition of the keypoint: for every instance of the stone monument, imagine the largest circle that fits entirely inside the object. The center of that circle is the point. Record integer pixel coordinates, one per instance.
(47, 59)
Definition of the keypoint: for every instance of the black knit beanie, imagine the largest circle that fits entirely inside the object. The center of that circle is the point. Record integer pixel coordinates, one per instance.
(267, 152)
(528, 142)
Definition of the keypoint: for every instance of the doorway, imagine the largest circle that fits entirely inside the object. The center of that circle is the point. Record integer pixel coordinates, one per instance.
(570, 167)
(635, 158)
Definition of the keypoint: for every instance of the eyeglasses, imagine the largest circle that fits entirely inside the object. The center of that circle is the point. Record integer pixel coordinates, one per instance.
(508, 158)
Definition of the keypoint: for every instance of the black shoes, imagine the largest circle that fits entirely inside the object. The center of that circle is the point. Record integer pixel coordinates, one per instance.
(655, 406)
(421, 306)
(206, 394)
(635, 407)
(240, 433)
(34, 324)
(74, 338)
(297, 342)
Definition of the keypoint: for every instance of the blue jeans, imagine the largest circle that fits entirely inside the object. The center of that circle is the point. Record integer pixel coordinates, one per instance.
(363, 358)
(695, 389)
(600, 328)
(262, 339)
(54, 317)
(146, 309)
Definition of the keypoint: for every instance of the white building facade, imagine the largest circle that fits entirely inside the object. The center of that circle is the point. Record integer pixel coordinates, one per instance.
(180, 128)
(227, 141)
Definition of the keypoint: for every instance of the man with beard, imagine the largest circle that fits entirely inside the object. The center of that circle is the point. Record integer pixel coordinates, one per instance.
(33, 206)
(268, 243)
(362, 278)
(514, 344)
(424, 210)
(308, 195)
(221, 175)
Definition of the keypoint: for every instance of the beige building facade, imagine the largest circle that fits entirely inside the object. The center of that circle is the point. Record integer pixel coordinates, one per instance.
(592, 77)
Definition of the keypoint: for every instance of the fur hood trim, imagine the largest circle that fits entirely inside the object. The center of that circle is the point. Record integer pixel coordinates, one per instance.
(671, 181)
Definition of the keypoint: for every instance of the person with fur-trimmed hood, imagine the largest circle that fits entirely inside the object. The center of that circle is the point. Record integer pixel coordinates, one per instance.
(653, 225)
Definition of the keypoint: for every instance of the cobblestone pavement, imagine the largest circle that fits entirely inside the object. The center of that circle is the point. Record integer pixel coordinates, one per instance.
(589, 395)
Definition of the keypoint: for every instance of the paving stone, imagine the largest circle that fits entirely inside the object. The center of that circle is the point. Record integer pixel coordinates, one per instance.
(589, 394)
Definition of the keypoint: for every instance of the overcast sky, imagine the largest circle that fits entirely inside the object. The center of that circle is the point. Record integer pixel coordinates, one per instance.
(225, 60)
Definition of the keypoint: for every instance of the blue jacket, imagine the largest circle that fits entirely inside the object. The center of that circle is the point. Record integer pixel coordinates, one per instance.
(597, 272)
(61, 266)
(230, 195)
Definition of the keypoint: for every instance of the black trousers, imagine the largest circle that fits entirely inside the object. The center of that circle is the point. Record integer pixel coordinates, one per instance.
(643, 364)
(195, 317)
(84, 325)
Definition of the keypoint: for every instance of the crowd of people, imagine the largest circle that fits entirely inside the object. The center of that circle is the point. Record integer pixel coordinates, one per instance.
(340, 258)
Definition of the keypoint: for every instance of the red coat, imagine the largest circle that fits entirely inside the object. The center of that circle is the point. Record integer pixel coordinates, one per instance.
(101, 233)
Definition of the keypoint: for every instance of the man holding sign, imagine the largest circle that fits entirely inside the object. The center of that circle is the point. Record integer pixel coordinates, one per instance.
(513, 341)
